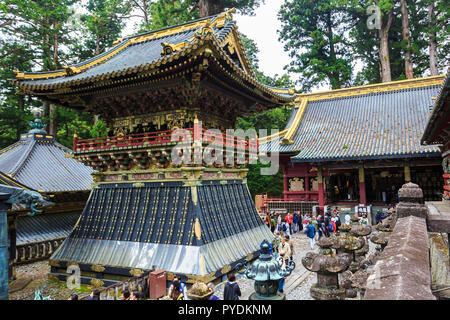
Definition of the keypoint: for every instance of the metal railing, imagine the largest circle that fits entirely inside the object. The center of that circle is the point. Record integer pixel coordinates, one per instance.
(113, 292)
(159, 138)
(30, 252)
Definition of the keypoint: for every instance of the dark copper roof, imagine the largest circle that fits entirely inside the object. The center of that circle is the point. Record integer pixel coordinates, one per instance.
(38, 162)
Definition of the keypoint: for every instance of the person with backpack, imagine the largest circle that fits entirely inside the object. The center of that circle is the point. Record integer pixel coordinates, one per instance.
(294, 223)
(269, 244)
(291, 246)
(379, 217)
(285, 228)
(273, 224)
(177, 290)
(311, 234)
(300, 221)
(231, 290)
(276, 243)
(337, 222)
(327, 226)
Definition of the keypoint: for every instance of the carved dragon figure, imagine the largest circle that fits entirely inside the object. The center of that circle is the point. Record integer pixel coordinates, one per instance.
(31, 199)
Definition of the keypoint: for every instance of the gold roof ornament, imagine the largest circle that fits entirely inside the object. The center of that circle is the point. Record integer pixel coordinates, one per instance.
(169, 48)
(118, 40)
(71, 70)
(205, 30)
(19, 75)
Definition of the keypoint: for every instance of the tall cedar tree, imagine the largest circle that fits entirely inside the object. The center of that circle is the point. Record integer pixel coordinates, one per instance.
(40, 25)
(313, 32)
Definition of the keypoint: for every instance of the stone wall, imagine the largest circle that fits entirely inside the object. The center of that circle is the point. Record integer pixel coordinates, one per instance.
(402, 271)
(440, 268)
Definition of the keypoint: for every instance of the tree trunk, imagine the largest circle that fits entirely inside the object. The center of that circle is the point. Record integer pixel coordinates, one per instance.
(52, 121)
(409, 72)
(432, 45)
(210, 7)
(383, 52)
(335, 77)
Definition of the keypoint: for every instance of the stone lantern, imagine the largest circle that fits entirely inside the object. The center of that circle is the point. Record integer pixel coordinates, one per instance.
(327, 268)
(349, 244)
(267, 272)
(344, 229)
(361, 232)
(411, 201)
(381, 239)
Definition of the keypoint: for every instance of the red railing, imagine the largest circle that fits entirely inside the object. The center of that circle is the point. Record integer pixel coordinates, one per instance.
(159, 138)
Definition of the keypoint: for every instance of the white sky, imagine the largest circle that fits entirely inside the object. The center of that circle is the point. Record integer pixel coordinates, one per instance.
(262, 28)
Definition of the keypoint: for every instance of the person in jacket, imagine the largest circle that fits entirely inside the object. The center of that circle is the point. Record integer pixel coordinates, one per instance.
(273, 223)
(311, 234)
(95, 295)
(295, 223)
(231, 290)
(316, 227)
(282, 280)
(212, 288)
(284, 250)
(276, 242)
(300, 221)
(269, 244)
(364, 221)
(379, 217)
(177, 290)
(291, 246)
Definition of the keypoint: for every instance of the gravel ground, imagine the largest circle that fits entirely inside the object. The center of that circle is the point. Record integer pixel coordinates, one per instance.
(57, 290)
(38, 272)
(302, 291)
(301, 247)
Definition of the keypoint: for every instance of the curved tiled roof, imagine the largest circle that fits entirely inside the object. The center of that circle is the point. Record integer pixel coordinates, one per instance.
(386, 121)
(437, 114)
(39, 162)
(45, 227)
(137, 54)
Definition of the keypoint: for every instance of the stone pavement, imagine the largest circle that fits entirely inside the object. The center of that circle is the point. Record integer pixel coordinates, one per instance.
(297, 284)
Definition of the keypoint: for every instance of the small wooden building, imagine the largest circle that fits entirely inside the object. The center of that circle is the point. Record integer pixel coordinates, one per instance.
(38, 162)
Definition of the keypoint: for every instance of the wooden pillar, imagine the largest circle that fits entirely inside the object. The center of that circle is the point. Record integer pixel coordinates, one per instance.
(320, 187)
(12, 226)
(307, 198)
(285, 182)
(407, 173)
(362, 186)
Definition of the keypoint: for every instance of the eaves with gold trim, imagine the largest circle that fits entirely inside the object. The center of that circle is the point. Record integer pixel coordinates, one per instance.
(158, 55)
(302, 100)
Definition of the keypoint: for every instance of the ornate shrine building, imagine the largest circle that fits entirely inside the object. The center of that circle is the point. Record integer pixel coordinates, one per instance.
(437, 131)
(146, 210)
(39, 163)
(358, 145)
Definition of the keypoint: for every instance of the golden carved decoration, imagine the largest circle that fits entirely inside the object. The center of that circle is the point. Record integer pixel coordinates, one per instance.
(226, 269)
(197, 229)
(71, 70)
(96, 283)
(72, 263)
(97, 268)
(169, 48)
(54, 263)
(136, 272)
(250, 257)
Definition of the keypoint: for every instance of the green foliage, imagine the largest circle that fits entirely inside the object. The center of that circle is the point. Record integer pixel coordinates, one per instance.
(314, 35)
(103, 24)
(170, 12)
(258, 184)
(99, 130)
(70, 122)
